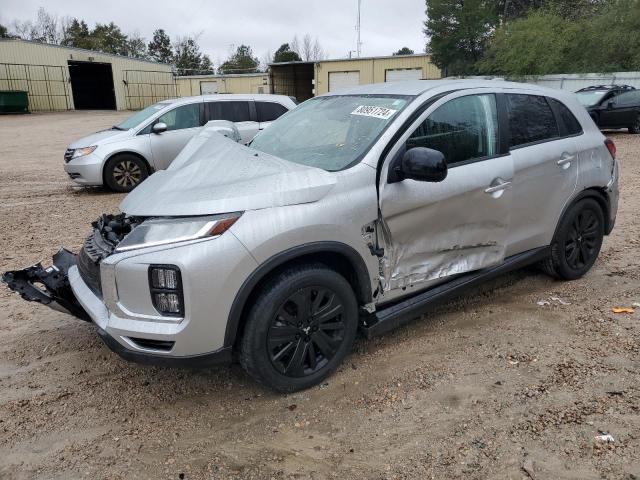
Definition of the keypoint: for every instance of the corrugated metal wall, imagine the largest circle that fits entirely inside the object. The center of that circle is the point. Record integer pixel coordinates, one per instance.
(42, 70)
(248, 83)
(372, 70)
(575, 81)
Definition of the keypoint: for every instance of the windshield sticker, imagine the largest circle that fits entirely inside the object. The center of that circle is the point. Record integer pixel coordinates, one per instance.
(375, 112)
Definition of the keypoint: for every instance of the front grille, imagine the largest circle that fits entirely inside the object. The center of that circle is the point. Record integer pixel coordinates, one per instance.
(68, 154)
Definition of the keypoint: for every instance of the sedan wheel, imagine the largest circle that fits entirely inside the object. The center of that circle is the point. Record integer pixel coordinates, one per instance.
(635, 128)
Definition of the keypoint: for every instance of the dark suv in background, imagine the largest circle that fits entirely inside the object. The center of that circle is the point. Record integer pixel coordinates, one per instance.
(612, 106)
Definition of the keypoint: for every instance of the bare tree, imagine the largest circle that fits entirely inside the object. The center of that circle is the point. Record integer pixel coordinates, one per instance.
(266, 59)
(309, 50)
(47, 28)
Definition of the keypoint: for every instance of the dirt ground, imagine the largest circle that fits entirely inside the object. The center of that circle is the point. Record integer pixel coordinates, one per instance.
(490, 386)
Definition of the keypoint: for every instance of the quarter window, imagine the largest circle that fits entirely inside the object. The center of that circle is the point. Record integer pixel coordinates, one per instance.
(232, 111)
(268, 111)
(185, 116)
(530, 119)
(569, 125)
(464, 128)
(627, 99)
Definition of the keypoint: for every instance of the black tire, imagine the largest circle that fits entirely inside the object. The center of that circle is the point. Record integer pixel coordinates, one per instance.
(286, 350)
(635, 128)
(124, 172)
(577, 242)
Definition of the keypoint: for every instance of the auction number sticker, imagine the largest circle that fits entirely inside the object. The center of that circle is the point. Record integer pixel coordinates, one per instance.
(375, 112)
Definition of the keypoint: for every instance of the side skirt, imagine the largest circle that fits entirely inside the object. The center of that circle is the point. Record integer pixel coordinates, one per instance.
(398, 314)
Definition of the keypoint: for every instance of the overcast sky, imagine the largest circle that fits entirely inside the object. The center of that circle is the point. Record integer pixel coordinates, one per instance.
(387, 25)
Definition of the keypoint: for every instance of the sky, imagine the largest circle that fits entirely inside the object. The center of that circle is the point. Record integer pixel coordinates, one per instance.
(222, 25)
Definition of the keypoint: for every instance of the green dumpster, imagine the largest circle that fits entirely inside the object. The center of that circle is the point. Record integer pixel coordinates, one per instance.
(14, 101)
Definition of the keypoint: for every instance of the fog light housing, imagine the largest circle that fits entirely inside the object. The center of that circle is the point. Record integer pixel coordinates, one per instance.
(165, 285)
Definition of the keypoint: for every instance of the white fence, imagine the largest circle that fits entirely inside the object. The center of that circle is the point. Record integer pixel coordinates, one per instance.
(576, 81)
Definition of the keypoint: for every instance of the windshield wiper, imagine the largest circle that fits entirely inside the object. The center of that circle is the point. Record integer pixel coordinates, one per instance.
(115, 127)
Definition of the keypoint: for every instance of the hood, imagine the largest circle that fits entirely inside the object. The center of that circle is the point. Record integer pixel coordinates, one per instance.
(219, 175)
(105, 136)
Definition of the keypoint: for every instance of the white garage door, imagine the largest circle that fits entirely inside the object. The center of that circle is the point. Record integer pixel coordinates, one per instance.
(207, 88)
(399, 75)
(340, 80)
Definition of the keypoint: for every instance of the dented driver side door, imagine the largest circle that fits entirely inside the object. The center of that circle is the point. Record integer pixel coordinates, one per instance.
(433, 231)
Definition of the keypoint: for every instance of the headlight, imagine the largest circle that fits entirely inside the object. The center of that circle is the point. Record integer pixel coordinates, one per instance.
(81, 152)
(161, 231)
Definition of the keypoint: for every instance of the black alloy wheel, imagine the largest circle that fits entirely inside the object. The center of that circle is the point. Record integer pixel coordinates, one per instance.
(301, 325)
(582, 242)
(306, 331)
(635, 128)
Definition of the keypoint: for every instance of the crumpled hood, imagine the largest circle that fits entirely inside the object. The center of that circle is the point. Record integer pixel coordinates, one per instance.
(220, 176)
(105, 136)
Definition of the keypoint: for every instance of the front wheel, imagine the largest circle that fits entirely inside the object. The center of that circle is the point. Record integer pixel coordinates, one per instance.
(577, 242)
(124, 172)
(300, 328)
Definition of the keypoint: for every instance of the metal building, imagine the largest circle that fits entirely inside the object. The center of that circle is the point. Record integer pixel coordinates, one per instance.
(66, 78)
(333, 75)
(207, 84)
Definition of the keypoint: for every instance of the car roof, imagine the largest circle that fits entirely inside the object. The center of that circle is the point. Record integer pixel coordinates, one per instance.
(418, 87)
(229, 96)
(606, 87)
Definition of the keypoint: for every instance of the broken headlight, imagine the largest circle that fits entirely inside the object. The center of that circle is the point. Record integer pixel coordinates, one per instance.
(81, 152)
(162, 231)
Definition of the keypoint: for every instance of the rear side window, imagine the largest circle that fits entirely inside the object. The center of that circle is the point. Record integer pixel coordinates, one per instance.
(269, 111)
(233, 111)
(568, 123)
(463, 129)
(530, 119)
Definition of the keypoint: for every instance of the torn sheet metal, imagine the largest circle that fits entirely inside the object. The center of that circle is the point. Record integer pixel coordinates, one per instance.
(224, 176)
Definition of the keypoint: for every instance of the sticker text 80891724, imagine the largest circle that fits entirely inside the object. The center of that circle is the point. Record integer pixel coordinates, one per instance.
(382, 113)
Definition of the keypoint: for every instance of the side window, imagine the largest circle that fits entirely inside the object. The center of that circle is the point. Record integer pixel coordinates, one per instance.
(569, 125)
(185, 116)
(233, 111)
(627, 99)
(530, 119)
(462, 129)
(269, 111)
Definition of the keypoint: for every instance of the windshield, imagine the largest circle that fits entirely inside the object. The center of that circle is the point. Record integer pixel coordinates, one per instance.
(332, 133)
(139, 117)
(588, 99)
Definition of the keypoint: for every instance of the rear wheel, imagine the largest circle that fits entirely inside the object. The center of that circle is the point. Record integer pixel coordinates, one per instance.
(300, 328)
(124, 172)
(635, 128)
(577, 242)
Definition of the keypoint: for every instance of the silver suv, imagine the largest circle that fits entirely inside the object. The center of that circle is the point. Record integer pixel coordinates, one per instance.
(356, 210)
(149, 140)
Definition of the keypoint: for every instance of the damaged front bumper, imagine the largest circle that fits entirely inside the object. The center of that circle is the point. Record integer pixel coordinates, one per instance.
(49, 286)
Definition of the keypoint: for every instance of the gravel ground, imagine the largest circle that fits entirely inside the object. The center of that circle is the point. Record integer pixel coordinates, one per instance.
(490, 386)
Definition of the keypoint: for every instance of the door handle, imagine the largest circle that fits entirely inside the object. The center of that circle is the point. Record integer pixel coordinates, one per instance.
(500, 185)
(565, 159)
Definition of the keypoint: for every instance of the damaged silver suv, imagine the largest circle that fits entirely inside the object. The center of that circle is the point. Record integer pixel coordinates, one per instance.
(356, 211)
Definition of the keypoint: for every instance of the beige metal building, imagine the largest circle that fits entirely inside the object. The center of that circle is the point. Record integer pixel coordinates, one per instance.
(333, 75)
(206, 84)
(64, 78)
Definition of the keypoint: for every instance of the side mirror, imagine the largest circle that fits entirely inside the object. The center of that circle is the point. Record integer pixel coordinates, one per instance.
(159, 127)
(422, 164)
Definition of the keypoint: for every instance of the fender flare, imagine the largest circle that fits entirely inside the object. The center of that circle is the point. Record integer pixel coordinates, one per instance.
(597, 195)
(356, 262)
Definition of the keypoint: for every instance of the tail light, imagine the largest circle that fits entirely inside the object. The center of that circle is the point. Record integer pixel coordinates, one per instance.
(611, 147)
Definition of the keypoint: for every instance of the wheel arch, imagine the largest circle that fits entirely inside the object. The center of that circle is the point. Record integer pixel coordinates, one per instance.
(150, 169)
(337, 256)
(598, 194)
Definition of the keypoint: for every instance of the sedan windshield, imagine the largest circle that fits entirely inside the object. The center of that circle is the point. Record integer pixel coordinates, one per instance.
(332, 133)
(139, 117)
(589, 99)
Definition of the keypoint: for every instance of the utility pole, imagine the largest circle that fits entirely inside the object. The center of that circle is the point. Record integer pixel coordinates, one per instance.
(358, 42)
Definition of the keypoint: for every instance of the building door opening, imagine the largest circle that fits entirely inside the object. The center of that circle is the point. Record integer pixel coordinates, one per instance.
(92, 85)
